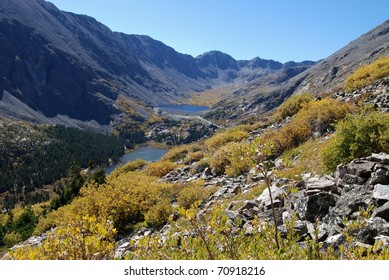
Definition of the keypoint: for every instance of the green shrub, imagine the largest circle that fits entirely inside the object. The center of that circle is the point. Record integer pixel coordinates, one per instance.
(12, 238)
(293, 104)
(367, 74)
(357, 136)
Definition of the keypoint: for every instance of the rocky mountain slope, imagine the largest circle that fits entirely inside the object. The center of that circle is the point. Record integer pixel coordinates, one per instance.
(59, 67)
(265, 93)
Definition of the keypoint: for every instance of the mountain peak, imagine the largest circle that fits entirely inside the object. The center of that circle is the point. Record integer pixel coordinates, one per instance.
(217, 59)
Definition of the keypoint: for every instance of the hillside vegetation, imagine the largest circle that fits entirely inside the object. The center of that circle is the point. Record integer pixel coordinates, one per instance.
(190, 218)
(32, 156)
(367, 74)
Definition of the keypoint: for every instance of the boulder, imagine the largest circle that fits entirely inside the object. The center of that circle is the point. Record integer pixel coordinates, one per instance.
(364, 234)
(380, 175)
(264, 201)
(380, 158)
(315, 206)
(299, 228)
(381, 192)
(334, 241)
(382, 212)
(353, 179)
(321, 184)
(206, 173)
(352, 198)
(318, 232)
(361, 168)
(379, 224)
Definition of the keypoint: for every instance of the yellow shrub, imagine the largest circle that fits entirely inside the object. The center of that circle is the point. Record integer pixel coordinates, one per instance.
(193, 157)
(293, 104)
(316, 116)
(177, 153)
(124, 200)
(190, 193)
(231, 159)
(12, 238)
(231, 135)
(160, 168)
(159, 214)
(84, 238)
(367, 74)
(128, 167)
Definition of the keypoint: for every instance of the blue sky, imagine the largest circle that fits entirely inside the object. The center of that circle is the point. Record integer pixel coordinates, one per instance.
(274, 29)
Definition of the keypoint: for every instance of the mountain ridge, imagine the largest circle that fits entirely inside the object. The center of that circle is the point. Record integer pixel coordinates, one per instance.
(326, 76)
(59, 63)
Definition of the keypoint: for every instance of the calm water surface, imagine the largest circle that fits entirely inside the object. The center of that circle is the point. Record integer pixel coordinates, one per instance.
(148, 153)
(184, 108)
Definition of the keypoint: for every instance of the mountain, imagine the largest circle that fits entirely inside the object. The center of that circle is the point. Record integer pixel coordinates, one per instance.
(267, 92)
(59, 67)
(330, 73)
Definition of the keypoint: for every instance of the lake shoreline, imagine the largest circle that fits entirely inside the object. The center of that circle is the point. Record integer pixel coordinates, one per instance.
(149, 151)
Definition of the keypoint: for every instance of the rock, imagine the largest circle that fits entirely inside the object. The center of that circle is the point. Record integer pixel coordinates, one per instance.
(334, 241)
(364, 235)
(122, 249)
(380, 158)
(286, 216)
(249, 210)
(249, 204)
(268, 216)
(382, 212)
(315, 206)
(341, 170)
(300, 184)
(206, 173)
(235, 189)
(279, 163)
(352, 198)
(264, 201)
(353, 179)
(321, 232)
(380, 175)
(361, 168)
(381, 192)
(300, 228)
(232, 215)
(384, 240)
(379, 224)
(321, 184)
(257, 177)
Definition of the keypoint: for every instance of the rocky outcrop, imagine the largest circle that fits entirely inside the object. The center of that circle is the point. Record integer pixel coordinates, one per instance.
(375, 94)
(321, 208)
(323, 204)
